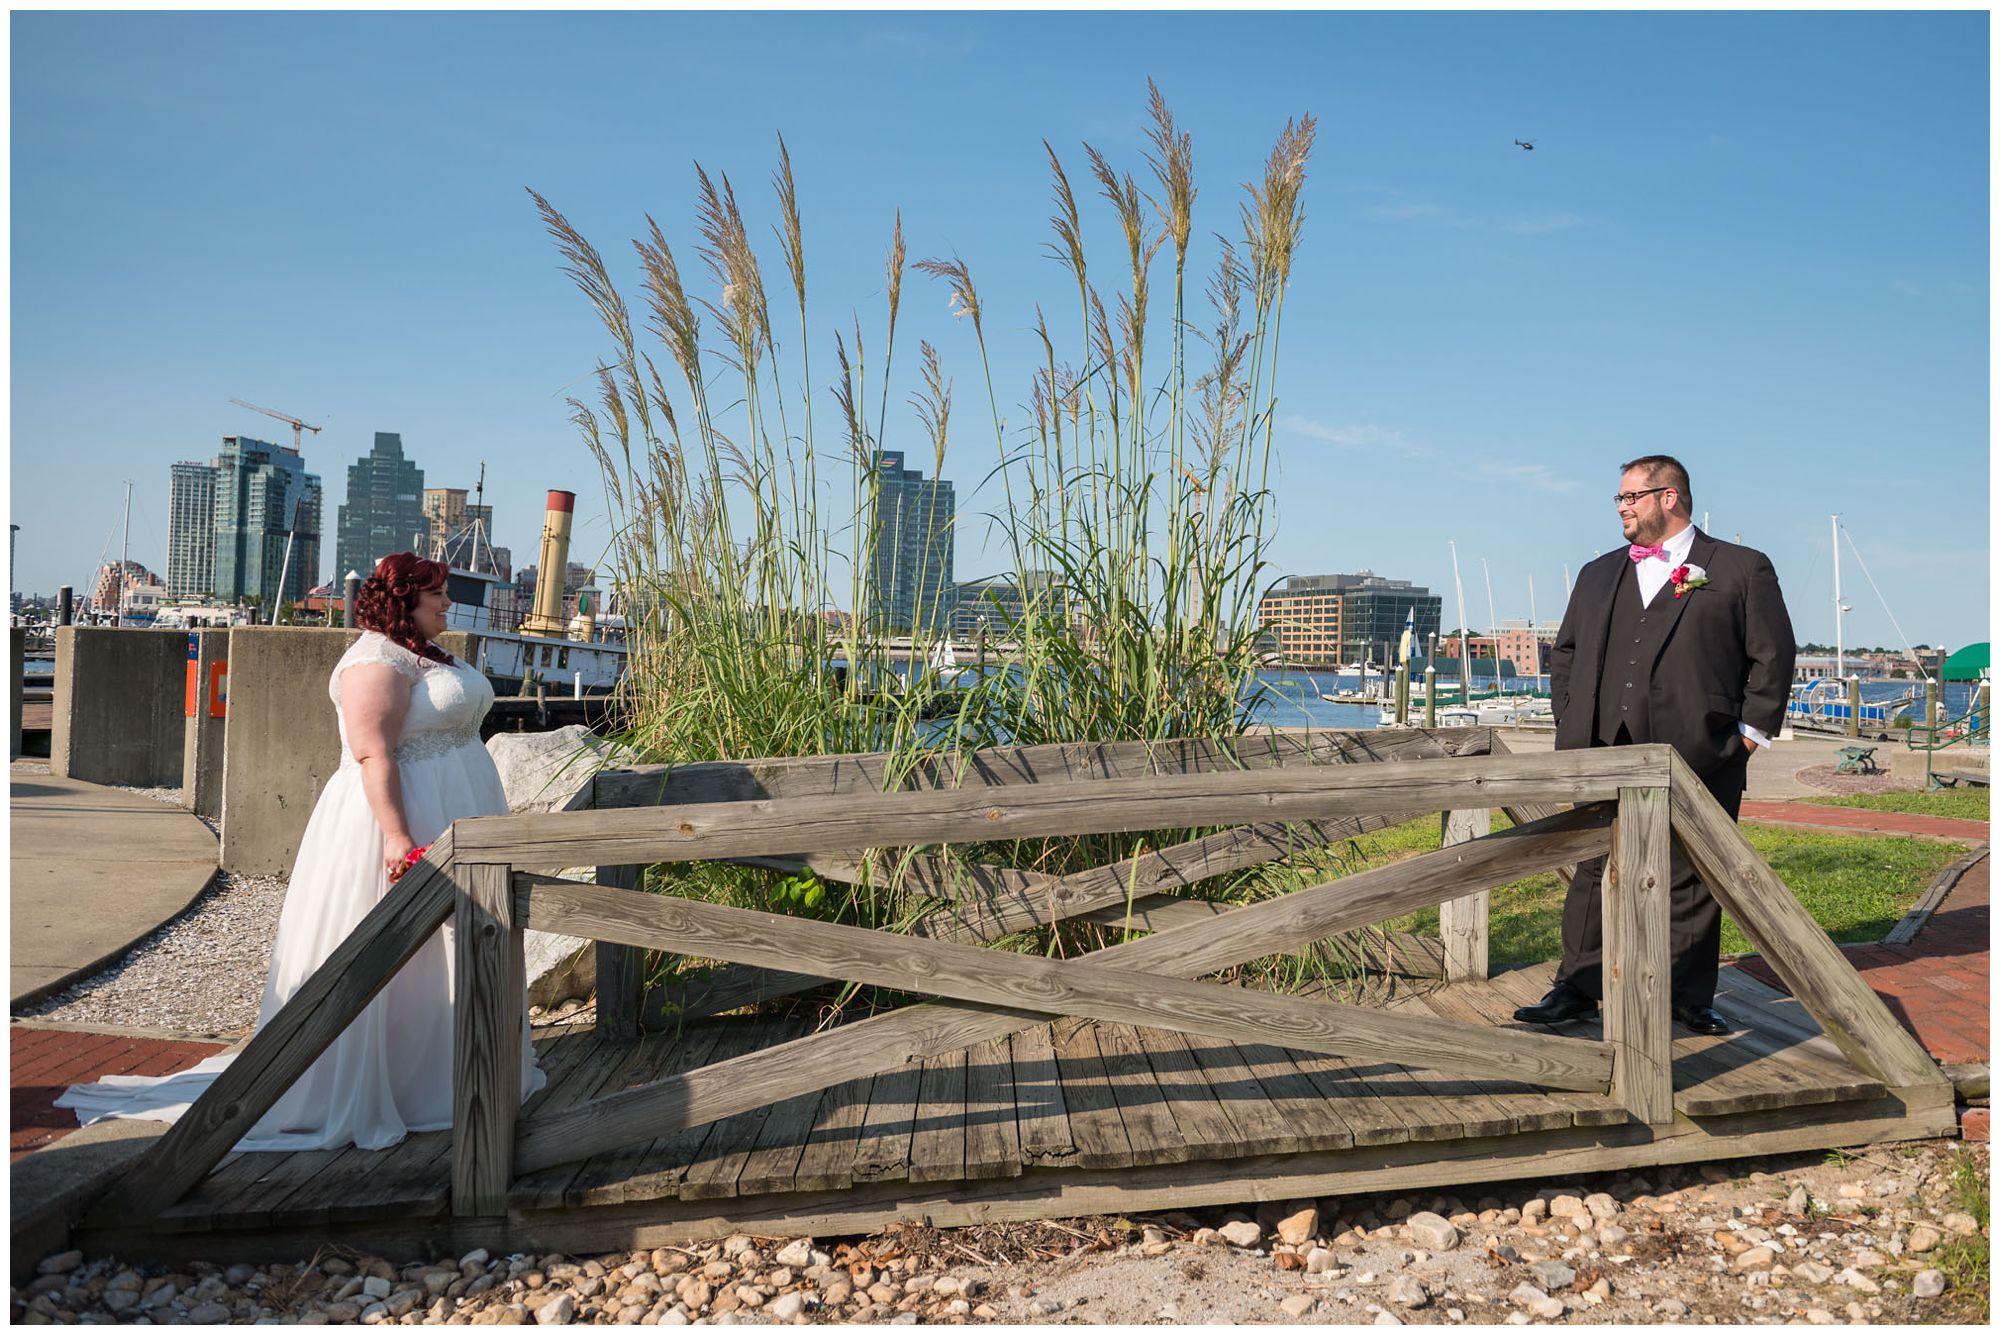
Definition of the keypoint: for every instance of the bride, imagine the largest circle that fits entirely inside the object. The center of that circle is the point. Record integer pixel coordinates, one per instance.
(411, 763)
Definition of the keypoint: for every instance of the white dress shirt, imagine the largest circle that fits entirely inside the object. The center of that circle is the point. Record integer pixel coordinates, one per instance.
(1656, 572)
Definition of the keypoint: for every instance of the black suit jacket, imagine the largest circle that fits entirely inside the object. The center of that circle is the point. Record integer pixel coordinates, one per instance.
(1726, 658)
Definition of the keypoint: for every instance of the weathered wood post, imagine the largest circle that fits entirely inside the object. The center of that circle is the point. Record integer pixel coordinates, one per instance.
(1638, 1018)
(1854, 706)
(486, 1065)
(1402, 693)
(1431, 697)
(1932, 688)
(1462, 921)
(621, 972)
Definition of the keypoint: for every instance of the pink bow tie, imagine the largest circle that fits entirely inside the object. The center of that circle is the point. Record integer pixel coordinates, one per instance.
(1641, 553)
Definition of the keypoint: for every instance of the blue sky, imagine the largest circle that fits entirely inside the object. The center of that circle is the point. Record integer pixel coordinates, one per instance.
(1759, 242)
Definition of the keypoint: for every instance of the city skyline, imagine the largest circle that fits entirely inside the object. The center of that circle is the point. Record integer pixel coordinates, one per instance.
(1716, 249)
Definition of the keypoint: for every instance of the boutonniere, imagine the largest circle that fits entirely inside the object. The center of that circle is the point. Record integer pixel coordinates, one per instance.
(1688, 577)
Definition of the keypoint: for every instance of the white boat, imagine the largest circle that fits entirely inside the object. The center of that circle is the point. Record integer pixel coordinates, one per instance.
(942, 661)
(1823, 705)
(581, 664)
(1494, 711)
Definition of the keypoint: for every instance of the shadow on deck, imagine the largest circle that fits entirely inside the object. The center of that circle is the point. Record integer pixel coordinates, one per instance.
(1069, 1117)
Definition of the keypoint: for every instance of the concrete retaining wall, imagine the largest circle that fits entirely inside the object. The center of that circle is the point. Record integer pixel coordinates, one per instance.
(19, 649)
(118, 697)
(203, 732)
(281, 743)
(1906, 764)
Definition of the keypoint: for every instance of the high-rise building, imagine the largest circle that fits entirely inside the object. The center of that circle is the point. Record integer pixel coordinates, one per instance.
(191, 531)
(1326, 620)
(910, 555)
(444, 509)
(384, 513)
(267, 512)
(996, 605)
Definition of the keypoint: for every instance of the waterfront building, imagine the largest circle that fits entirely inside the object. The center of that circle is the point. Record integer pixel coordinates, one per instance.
(1326, 620)
(910, 548)
(191, 530)
(1526, 646)
(113, 578)
(142, 598)
(996, 604)
(384, 513)
(264, 501)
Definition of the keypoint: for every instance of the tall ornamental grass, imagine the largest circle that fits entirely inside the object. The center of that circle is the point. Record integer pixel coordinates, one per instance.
(1133, 503)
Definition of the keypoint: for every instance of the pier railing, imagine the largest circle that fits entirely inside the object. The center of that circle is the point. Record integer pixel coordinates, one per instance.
(1274, 795)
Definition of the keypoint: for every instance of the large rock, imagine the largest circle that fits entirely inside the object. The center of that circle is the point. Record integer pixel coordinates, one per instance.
(1433, 1231)
(542, 771)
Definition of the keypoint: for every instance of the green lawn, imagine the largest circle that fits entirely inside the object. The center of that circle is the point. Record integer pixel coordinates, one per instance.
(1856, 886)
(1956, 803)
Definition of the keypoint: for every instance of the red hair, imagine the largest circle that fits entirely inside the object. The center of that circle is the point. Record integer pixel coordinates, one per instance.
(385, 599)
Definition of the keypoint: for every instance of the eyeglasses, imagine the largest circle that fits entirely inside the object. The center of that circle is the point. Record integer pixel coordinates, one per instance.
(1624, 498)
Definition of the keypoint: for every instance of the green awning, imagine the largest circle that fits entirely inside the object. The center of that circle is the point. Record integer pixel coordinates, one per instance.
(1969, 664)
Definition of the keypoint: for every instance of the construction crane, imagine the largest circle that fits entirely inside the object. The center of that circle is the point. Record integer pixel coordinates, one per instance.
(292, 527)
(297, 425)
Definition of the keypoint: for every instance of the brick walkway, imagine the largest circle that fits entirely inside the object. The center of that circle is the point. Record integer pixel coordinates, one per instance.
(1872, 822)
(44, 1062)
(1939, 985)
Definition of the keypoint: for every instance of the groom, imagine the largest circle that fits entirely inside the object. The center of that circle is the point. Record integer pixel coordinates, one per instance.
(1678, 639)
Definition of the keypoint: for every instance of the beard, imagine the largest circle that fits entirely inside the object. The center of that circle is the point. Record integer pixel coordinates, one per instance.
(1646, 530)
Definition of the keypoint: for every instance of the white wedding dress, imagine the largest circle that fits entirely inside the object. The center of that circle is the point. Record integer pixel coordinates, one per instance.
(390, 1072)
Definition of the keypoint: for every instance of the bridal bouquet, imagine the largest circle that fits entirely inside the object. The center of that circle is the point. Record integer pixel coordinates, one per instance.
(410, 859)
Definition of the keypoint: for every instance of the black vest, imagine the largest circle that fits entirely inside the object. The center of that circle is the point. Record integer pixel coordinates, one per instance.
(1631, 647)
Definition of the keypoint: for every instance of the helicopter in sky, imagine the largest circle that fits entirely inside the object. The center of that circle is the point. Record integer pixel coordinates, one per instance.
(1525, 145)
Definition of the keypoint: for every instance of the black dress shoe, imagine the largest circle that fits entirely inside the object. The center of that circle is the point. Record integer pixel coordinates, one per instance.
(1701, 1019)
(1562, 1003)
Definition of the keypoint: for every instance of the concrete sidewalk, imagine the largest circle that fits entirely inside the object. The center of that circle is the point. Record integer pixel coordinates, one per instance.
(1772, 774)
(95, 870)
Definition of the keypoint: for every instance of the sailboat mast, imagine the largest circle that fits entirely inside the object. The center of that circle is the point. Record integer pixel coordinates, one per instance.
(1839, 644)
(124, 557)
(1464, 658)
(1492, 621)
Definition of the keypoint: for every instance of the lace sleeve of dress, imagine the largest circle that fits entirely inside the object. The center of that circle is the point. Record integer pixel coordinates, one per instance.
(373, 647)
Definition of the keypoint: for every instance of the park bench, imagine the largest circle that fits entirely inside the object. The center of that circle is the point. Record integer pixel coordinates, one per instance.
(1857, 760)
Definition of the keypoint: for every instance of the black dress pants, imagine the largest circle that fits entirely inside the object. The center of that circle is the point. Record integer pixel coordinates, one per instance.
(1694, 918)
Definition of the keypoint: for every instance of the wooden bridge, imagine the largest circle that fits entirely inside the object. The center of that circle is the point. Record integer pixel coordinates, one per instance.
(1116, 1080)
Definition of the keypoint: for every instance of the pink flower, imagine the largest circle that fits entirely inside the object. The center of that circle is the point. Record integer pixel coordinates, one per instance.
(1687, 577)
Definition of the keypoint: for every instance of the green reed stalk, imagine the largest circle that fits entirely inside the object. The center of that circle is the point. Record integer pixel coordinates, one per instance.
(1137, 539)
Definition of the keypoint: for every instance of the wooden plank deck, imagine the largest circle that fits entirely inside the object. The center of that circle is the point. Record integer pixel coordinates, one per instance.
(1072, 1097)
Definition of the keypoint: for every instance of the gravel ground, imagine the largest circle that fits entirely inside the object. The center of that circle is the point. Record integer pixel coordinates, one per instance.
(1876, 1237)
(201, 975)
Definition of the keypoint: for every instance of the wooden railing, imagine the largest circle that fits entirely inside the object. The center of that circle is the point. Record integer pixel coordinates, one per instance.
(1277, 794)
